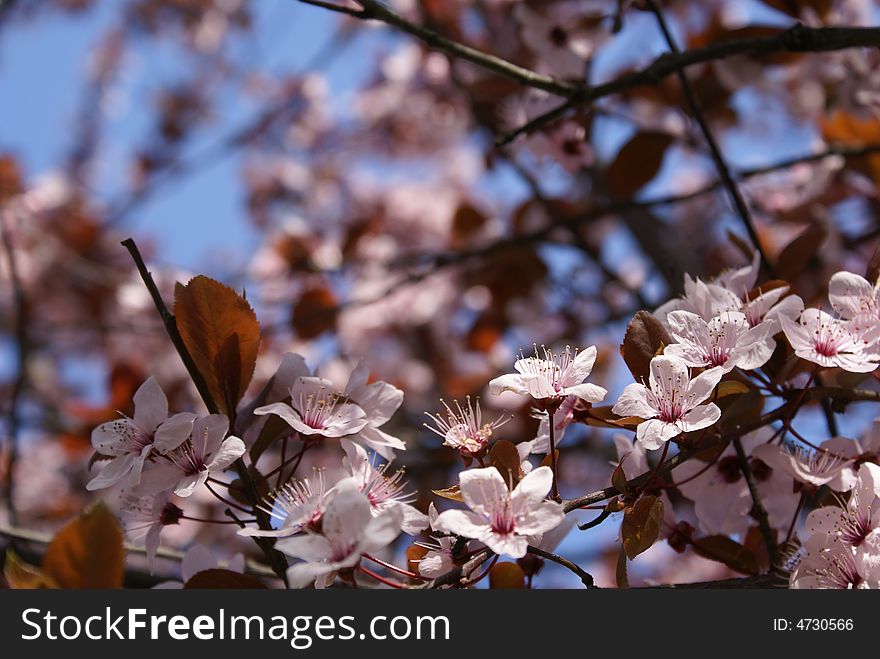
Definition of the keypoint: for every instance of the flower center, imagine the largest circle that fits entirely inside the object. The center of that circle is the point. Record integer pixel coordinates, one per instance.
(316, 409)
(558, 36)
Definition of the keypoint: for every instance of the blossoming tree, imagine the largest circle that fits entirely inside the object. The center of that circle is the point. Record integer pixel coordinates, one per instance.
(694, 343)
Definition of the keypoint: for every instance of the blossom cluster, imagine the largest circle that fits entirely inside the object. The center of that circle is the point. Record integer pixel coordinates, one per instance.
(724, 337)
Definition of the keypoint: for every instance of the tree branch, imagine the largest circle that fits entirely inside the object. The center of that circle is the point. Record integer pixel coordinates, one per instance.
(797, 39)
(733, 190)
(373, 10)
(758, 509)
(585, 577)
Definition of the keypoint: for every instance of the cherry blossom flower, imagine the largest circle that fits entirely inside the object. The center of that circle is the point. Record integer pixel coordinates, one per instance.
(831, 565)
(144, 517)
(671, 404)
(555, 37)
(132, 441)
(348, 531)
(463, 428)
(505, 521)
(733, 290)
(727, 341)
(565, 144)
(853, 296)
(315, 410)
(438, 559)
(827, 466)
(379, 401)
(853, 521)
(843, 549)
(822, 339)
(186, 468)
(722, 501)
(552, 376)
(383, 491)
(295, 505)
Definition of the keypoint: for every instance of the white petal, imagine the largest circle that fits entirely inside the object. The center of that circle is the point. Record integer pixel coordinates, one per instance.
(701, 387)
(382, 530)
(346, 515)
(308, 547)
(173, 432)
(702, 416)
(465, 523)
(540, 519)
(589, 392)
(230, 450)
(483, 490)
(111, 438)
(633, 401)
(190, 483)
(532, 489)
(304, 574)
(653, 433)
(150, 405)
(850, 294)
(508, 544)
(582, 365)
(510, 382)
(112, 472)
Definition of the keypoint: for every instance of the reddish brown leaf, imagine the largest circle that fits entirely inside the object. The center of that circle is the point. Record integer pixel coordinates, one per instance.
(23, 576)
(314, 313)
(645, 337)
(637, 163)
(641, 525)
(221, 332)
(506, 575)
(87, 552)
(795, 256)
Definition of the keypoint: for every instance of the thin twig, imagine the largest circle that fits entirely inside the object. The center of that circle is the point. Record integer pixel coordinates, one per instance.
(733, 190)
(758, 509)
(585, 576)
(797, 39)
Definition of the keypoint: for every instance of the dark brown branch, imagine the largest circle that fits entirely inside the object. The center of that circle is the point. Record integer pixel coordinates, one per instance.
(585, 577)
(758, 509)
(22, 345)
(797, 39)
(733, 190)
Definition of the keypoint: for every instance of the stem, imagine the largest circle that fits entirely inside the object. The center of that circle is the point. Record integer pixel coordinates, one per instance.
(656, 469)
(797, 514)
(585, 577)
(217, 521)
(551, 411)
(380, 578)
(760, 512)
(484, 572)
(228, 502)
(394, 568)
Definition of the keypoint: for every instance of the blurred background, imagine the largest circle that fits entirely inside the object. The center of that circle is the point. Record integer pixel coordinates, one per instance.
(349, 180)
